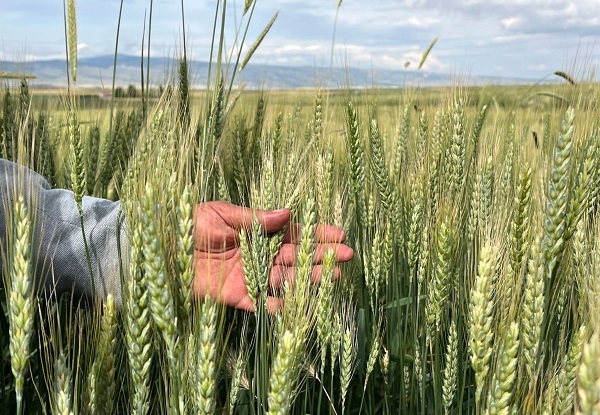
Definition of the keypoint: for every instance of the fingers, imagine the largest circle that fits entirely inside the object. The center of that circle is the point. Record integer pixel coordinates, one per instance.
(329, 233)
(288, 253)
(280, 274)
(273, 304)
(323, 234)
(239, 217)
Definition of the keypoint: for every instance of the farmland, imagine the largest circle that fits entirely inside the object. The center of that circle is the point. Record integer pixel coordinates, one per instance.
(472, 213)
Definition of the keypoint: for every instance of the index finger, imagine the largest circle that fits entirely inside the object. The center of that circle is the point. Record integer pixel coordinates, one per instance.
(239, 217)
(323, 234)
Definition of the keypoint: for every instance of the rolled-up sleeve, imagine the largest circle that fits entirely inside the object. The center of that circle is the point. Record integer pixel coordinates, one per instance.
(58, 249)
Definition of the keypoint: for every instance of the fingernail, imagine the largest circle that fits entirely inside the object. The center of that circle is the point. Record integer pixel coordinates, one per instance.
(280, 210)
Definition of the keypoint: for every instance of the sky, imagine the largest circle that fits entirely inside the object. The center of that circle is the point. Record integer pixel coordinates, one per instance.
(513, 38)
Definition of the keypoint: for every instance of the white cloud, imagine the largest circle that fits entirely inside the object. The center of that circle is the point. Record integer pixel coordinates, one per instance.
(432, 63)
(538, 68)
(508, 39)
(540, 15)
(352, 54)
(512, 22)
(390, 57)
(423, 22)
(29, 57)
(415, 3)
(295, 48)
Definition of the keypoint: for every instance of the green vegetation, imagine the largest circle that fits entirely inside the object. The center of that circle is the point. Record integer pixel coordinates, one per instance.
(477, 251)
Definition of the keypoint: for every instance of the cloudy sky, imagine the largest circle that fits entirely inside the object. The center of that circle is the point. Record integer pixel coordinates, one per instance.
(526, 38)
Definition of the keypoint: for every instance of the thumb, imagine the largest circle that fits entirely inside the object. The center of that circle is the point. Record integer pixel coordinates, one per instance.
(239, 217)
(273, 220)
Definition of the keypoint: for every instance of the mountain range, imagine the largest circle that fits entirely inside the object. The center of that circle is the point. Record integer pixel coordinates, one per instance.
(97, 72)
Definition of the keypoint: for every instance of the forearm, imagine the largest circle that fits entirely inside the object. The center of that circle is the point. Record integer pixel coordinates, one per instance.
(58, 250)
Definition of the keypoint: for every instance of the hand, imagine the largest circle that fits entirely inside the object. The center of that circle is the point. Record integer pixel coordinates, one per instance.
(218, 259)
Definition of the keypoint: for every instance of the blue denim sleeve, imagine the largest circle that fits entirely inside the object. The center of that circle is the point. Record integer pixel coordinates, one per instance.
(58, 250)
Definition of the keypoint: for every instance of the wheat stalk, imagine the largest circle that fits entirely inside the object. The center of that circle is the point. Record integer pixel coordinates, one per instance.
(566, 77)
(568, 373)
(305, 257)
(520, 223)
(324, 176)
(485, 202)
(481, 318)
(138, 327)
(91, 157)
(441, 282)
(185, 249)
(474, 212)
(451, 370)
(478, 126)
(356, 158)
(318, 117)
(62, 387)
(78, 174)
(372, 359)
(455, 174)
(101, 382)
(205, 356)
(160, 296)
(427, 51)
(238, 378)
(532, 313)
(283, 373)
(72, 38)
(250, 273)
(400, 156)
(588, 376)
(378, 168)
(416, 225)
(21, 299)
(258, 41)
(581, 196)
(555, 219)
(423, 140)
(347, 359)
(325, 306)
(502, 385)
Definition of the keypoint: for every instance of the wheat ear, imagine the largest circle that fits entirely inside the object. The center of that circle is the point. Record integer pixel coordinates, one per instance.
(21, 301)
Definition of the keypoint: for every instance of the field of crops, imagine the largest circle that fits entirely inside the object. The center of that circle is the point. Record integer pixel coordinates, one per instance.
(472, 213)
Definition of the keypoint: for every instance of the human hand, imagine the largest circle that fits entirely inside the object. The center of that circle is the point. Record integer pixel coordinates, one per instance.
(218, 259)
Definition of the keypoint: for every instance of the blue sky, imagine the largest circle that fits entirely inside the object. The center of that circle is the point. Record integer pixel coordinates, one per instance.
(527, 38)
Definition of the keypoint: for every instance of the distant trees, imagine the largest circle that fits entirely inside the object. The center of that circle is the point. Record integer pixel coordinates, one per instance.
(131, 91)
(119, 92)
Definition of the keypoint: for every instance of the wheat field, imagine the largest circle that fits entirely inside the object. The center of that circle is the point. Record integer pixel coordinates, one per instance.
(472, 213)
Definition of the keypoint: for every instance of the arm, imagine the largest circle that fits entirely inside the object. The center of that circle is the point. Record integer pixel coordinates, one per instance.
(60, 252)
(58, 247)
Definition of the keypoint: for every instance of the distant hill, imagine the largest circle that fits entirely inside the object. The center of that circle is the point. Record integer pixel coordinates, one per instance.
(97, 71)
